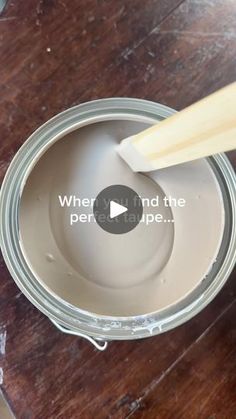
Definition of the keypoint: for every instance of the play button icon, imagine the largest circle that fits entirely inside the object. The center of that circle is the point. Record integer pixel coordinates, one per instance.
(118, 209)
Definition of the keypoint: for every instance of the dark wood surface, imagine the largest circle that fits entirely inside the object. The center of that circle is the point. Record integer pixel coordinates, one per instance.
(54, 54)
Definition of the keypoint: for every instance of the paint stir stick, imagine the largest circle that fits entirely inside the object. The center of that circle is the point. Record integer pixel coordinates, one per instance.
(205, 128)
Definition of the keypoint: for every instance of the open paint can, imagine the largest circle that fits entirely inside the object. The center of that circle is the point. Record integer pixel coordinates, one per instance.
(103, 286)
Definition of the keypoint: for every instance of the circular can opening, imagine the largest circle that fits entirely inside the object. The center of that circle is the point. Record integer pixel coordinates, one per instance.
(114, 285)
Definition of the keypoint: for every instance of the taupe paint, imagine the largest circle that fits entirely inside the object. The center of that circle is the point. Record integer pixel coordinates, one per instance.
(140, 272)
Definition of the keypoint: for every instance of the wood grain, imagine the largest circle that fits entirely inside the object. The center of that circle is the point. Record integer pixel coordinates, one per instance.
(202, 383)
(198, 131)
(54, 54)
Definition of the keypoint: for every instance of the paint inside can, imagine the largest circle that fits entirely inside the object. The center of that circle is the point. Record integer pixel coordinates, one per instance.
(140, 272)
(114, 286)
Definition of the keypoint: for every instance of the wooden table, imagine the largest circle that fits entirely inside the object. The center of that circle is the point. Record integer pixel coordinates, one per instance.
(55, 54)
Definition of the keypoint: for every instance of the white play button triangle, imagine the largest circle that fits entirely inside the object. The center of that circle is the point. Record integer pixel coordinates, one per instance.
(113, 217)
(116, 209)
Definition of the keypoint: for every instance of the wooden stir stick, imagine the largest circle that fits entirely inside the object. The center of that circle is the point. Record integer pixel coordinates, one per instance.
(205, 128)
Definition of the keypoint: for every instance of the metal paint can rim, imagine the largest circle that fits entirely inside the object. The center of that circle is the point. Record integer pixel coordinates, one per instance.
(73, 318)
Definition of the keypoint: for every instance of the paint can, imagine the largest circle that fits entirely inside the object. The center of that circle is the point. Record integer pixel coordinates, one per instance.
(99, 329)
